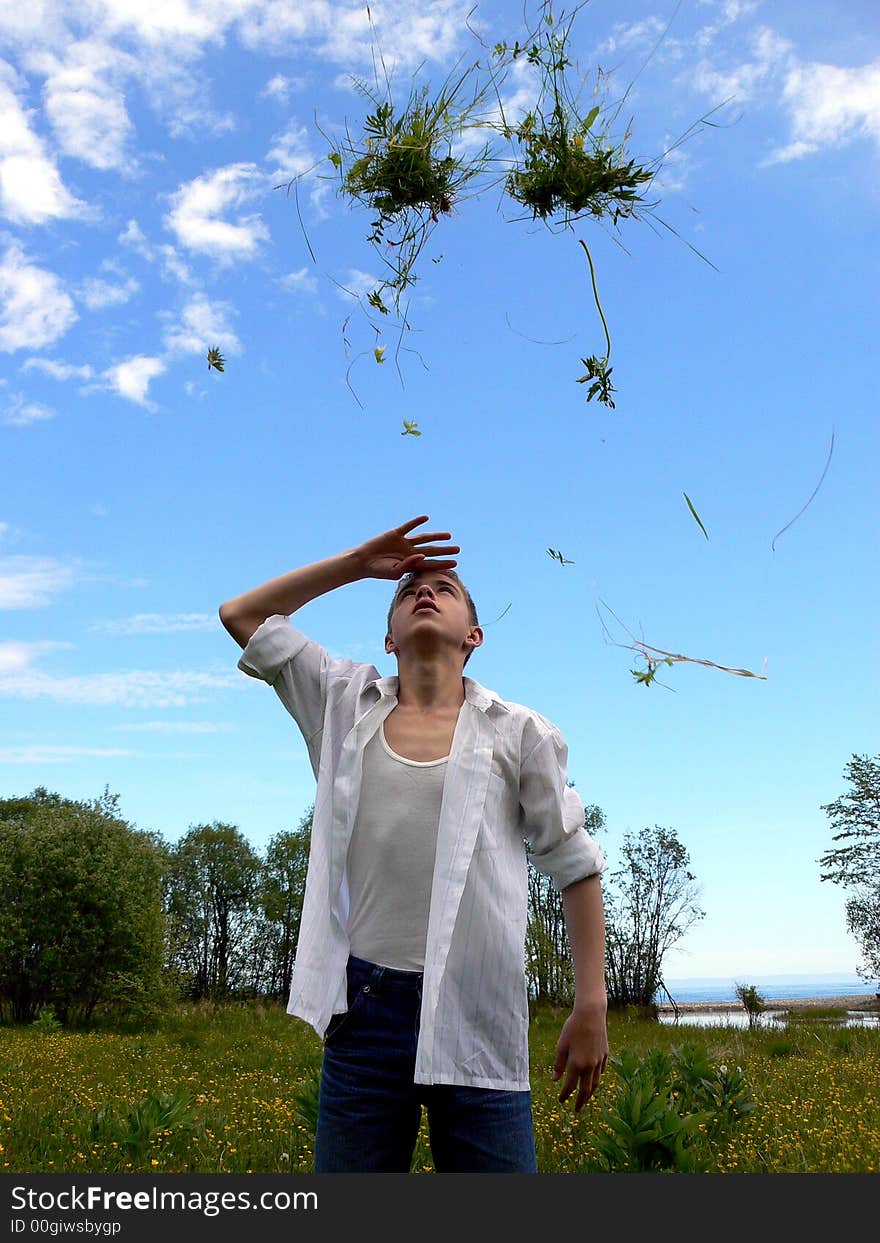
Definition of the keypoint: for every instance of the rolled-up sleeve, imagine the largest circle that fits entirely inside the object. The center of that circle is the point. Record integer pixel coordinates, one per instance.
(299, 670)
(553, 816)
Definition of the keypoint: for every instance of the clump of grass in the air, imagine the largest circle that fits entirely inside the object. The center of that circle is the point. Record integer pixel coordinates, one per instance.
(402, 167)
(565, 167)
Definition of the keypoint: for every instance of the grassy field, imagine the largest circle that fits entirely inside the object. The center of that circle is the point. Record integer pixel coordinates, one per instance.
(215, 1090)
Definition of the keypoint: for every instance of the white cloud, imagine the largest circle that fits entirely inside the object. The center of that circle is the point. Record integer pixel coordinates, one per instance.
(31, 189)
(519, 92)
(175, 33)
(10, 533)
(159, 623)
(673, 171)
(358, 284)
(173, 267)
(280, 87)
(827, 105)
(189, 117)
(731, 10)
(198, 207)
(742, 82)
(135, 688)
(629, 36)
(33, 582)
(200, 325)
(830, 106)
(36, 310)
(85, 107)
(97, 293)
(19, 412)
(58, 371)
(300, 280)
(727, 13)
(176, 727)
(791, 151)
(290, 152)
(16, 654)
(406, 34)
(39, 20)
(45, 753)
(292, 156)
(131, 378)
(132, 235)
(186, 23)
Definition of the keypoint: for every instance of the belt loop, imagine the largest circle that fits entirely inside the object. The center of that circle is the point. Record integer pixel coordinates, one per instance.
(376, 979)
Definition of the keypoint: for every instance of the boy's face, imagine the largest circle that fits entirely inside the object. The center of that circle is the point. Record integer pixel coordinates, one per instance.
(429, 602)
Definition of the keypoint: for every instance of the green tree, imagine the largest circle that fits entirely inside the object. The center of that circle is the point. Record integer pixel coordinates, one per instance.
(855, 863)
(81, 902)
(210, 887)
(281, 892)
(548, 956)
(753, 1002)
(650, 903)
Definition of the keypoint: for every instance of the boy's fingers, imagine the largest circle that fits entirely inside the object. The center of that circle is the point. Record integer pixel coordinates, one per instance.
(571, 1082)
(413, 522)
(429, 535)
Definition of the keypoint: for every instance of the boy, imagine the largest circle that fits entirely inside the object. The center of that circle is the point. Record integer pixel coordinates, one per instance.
(410, 961)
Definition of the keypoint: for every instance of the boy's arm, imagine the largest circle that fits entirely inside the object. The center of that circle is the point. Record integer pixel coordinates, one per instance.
(389, 555)
(287, 593)
(582, 1049)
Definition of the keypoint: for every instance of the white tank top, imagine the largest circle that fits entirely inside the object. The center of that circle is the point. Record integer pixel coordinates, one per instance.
(391, 856)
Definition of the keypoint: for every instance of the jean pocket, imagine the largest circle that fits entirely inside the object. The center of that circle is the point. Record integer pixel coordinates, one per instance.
(339, 1021)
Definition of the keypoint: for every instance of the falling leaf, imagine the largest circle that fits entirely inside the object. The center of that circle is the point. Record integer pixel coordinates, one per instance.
(410, 428)
(215, 359)
(696, 515)
(379, 353)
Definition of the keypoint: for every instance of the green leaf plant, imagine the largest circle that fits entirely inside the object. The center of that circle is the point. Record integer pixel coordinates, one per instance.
(668, 1112)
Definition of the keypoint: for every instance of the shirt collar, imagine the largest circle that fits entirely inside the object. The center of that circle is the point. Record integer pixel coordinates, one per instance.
(480, 696)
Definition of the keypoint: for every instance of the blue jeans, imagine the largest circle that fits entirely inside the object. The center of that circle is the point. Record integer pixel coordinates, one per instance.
(370, 1109)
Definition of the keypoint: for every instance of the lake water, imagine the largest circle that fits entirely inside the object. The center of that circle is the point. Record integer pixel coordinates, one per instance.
(779, 988)
(777, 1021)
(771, 990)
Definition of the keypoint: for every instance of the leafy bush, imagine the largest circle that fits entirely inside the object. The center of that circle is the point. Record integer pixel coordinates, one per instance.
(131, 1133)
(752, 1001)
(46, 1021)
(305, 1098)
(667, 1109)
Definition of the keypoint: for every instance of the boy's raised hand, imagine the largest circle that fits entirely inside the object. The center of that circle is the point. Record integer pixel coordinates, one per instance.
(393, 553)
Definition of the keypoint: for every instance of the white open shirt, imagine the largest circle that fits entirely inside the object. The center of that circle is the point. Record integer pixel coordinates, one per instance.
(505, 782)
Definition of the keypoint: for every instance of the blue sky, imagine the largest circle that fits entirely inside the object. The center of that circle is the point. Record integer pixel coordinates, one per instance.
(139, 225)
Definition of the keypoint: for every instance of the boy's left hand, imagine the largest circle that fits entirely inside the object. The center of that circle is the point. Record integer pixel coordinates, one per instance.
(582, 1052)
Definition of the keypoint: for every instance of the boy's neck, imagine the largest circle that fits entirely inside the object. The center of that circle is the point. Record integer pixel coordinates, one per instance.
(430, 686)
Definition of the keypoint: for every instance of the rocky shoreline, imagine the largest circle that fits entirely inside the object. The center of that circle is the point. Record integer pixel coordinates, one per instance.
(858, 1001)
